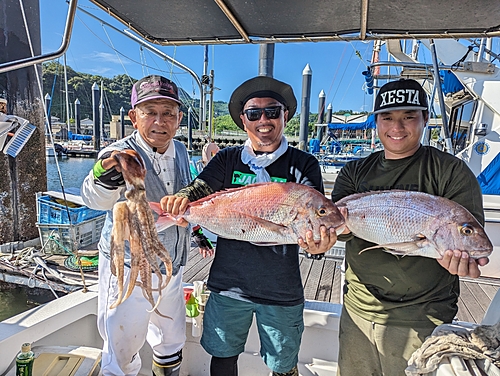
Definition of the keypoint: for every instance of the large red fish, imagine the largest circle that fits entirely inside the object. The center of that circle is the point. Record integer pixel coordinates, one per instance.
(262, 213)
(414, 224)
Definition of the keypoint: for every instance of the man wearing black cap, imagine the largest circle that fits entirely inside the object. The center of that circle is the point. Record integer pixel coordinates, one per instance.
(246, 279)
(156, 115)
(392, 303)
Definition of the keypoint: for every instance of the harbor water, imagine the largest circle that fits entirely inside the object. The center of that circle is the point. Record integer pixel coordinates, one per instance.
(17, 299)
(73, 171)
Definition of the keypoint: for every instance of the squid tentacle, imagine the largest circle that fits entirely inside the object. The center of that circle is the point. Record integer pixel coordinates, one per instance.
(133, 220)
(117, 247)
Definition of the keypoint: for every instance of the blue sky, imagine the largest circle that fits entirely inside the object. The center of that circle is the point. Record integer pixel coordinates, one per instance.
(98, 49)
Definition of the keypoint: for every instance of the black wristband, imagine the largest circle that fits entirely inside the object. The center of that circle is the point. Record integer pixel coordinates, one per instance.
(109, 179)
(318, 256)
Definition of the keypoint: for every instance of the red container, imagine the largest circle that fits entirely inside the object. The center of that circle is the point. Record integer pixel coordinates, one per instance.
(187, 292)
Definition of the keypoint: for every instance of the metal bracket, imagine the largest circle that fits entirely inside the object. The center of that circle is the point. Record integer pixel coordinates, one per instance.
(479, 67)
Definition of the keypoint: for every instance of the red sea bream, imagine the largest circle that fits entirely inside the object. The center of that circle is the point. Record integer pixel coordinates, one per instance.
(262, 213)
(414, 224)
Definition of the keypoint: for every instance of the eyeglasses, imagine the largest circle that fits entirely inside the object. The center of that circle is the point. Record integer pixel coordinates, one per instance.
(254, 114)
(170, 115)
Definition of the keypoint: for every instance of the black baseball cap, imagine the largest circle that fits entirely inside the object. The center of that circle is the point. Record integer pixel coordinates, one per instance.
(404, 94)
(261, 87)
(153, 87)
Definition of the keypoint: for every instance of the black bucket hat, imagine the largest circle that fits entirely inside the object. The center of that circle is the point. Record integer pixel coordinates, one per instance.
(261, 87)
(403, 94)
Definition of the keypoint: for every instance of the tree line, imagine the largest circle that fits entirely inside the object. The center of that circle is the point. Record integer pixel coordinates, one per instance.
(117, 91)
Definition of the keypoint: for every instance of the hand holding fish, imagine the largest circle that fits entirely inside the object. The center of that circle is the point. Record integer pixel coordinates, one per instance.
(327, 241)
(427, 226)
(459, 263)
(175, 206)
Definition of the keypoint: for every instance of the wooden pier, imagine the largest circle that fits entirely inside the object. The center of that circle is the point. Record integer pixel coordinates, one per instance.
(322, 280)
(82, 153)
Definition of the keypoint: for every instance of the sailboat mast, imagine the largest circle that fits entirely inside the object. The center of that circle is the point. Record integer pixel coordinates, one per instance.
(205, 80)
(101, 112)
(375, 59)
(67, 94)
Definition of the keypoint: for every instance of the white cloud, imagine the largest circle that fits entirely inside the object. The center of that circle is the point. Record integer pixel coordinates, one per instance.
(107, 58)
(103, 63)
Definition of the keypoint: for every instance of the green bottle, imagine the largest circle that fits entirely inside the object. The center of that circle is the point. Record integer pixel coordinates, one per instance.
(24, 361)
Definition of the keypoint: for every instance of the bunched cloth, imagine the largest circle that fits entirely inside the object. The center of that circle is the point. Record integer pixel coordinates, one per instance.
(481, 342)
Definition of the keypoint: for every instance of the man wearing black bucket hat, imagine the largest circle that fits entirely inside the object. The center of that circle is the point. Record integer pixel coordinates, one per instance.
(246, 279)
(156, 115)
(392, 303)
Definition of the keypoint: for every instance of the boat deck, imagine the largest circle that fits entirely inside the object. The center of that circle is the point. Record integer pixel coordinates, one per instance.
(322, 282)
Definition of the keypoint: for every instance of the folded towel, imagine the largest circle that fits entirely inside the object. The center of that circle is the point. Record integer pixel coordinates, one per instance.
(480, 342)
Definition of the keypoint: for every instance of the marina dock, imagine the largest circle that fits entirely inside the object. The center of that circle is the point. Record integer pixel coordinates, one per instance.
(82, 153)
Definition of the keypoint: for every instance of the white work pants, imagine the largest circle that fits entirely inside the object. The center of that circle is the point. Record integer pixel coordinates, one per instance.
(125, 328)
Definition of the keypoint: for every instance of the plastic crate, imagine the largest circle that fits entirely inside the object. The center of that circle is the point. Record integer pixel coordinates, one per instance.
(63, 239)
(50, 211)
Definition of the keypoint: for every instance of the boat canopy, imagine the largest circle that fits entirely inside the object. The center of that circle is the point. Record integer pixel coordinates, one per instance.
(168, 22)
(489, 178)
(369, 123)
(79, 137)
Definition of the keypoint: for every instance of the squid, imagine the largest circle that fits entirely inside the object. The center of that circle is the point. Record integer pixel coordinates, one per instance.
(133, 221)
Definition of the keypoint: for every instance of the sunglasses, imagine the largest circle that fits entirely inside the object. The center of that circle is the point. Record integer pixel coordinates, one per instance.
(254, 114)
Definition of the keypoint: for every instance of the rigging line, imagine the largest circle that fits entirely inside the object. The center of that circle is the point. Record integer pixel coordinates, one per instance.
(336, 71)
(40, 90)
(143, 65)
(361, 60)
(342, 77)
(348, 86)
(106, 105)
(117, 55)
(116, 50)
(187, 101)
(173, 76)
(145, 72)
(172, 64)
(358, 54)
(53, 88)
(155, 61)
(185, 98)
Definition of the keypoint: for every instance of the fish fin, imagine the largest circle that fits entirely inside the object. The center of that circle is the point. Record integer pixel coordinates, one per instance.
(155, 206)
(271, 226)
(223, 191)
(164, 220)
(268, 225)
(415, 248)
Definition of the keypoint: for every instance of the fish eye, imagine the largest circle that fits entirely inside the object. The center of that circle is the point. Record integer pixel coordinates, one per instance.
(322, 212)
(466, 230)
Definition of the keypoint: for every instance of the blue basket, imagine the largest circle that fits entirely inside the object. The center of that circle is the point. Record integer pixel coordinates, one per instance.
(64, 239)
(49, 211)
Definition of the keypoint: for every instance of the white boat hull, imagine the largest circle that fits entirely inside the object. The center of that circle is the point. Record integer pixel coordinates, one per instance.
(492, 228)
(71, 321)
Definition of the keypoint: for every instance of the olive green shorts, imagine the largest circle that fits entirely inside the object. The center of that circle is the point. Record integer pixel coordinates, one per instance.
(372, 349)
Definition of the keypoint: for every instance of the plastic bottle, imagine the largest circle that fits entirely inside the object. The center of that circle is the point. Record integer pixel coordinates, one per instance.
(24, 361)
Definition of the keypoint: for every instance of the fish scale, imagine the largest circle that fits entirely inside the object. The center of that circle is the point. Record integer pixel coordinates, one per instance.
(414, 223)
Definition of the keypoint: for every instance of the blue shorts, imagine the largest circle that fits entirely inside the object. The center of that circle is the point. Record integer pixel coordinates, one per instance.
(227, 321)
